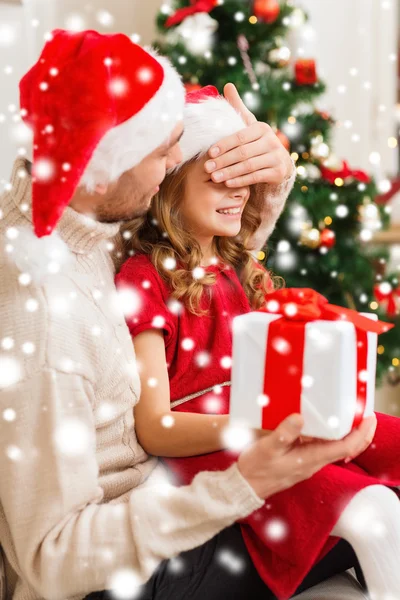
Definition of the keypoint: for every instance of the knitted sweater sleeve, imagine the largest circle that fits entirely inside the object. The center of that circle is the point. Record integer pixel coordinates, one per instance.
(66, 541)
(274, 198)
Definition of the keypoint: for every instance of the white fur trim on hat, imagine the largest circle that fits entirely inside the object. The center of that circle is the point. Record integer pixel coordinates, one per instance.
(125, 145)
(205, 123)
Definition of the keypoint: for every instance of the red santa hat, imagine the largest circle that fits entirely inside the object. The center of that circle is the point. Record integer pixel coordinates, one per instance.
(97, 105)
(208, 117)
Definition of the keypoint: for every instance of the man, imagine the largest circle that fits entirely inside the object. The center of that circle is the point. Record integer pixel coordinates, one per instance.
(82, 507)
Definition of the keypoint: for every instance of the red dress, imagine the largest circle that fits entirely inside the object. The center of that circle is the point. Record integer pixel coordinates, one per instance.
(198, 350)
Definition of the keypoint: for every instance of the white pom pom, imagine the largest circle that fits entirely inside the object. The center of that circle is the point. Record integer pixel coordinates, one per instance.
(40, 257)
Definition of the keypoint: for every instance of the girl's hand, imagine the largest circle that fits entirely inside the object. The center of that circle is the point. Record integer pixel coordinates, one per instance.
(252, 155)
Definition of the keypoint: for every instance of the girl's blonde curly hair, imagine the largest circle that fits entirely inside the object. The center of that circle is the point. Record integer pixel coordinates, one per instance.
(161, 234)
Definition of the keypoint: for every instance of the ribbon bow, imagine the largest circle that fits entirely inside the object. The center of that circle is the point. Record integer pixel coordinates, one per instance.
(346, 171)
(197, 6)
(390, 297)
(305, 304)
(297, 307)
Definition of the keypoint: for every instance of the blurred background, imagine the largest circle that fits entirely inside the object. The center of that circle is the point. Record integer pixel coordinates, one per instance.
(324, 74)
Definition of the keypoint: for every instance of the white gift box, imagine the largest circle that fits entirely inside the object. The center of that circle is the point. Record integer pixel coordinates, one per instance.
(328, 399)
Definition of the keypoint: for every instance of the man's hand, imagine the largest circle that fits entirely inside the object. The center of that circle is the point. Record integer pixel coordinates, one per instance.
(277, 461)
(252, 155)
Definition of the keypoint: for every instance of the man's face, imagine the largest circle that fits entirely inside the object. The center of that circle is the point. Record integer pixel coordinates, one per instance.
(131, 195)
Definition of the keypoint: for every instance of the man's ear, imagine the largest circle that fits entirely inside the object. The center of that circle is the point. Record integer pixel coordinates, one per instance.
(101, 188)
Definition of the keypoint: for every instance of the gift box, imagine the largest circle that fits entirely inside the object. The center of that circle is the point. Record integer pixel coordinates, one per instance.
(303, 355)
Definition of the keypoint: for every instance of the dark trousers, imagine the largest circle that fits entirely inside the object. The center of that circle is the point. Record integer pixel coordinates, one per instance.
(222, 568)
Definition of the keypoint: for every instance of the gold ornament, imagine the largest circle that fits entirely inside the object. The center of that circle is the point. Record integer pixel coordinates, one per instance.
(310, 237)
(280, 56)
(319, 149)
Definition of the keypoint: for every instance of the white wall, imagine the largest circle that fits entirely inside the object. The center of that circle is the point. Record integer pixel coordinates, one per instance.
(362, 35)
(22, 30)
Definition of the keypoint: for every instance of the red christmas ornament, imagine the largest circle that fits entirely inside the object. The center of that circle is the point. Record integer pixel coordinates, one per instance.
(328, 238)
(306, 71)
(325, 115)
(283, 139)
(196, 6)
(266, 10)
(191, 87)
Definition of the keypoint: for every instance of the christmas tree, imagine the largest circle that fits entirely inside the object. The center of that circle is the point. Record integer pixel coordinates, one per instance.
(265, 48)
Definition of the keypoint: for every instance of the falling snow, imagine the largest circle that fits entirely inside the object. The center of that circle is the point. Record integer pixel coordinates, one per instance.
(72, 437)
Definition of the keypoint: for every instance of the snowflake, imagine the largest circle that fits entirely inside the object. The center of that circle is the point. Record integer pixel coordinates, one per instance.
(152, 382)
(236, 437)
(212, 404)
(176, 565)
(170, 263)
(187, 344)
(75, 22)
(281, 345)
(7, 35)
(145, 75)
(276, 530)
(124, 584)
(202, 359)
(158, 321)
(175, 307)
(333, 422)
(128, 300)
(44, 169)
(73, 438)
(118, 86)
(198, 273)
(9, 414)
(230, 561)
(307, 381)
(273, 306)
(31, 305)
(7, 343)
(167, 421)
(322, 340)
(105, 18)
(263, 400)
(226, 362)
(105, 411)
(14, 453)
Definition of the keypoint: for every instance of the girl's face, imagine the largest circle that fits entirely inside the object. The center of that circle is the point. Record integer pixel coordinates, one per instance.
(211, 209)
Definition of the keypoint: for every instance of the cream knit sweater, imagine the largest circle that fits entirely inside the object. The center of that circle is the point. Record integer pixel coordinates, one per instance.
(79, 497)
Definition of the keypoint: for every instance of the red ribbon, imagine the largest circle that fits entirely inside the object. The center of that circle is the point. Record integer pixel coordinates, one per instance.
(283, 378)
(197, 6)
(391, 299)
(330, 175)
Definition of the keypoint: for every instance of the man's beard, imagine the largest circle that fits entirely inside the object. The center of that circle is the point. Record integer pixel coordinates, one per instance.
(122, 216)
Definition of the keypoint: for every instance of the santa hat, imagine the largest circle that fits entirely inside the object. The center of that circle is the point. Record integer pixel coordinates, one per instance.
(208, 117)
(97, 104)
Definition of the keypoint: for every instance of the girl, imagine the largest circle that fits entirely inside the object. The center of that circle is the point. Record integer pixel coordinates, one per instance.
(193, 273)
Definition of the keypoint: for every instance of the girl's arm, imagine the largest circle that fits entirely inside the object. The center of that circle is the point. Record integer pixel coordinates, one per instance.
(190, 433)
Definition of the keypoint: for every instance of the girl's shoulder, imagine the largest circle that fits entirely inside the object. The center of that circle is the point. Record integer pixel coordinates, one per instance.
(139, 269)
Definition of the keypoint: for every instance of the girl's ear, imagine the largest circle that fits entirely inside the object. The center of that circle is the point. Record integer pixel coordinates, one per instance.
(101, 188)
